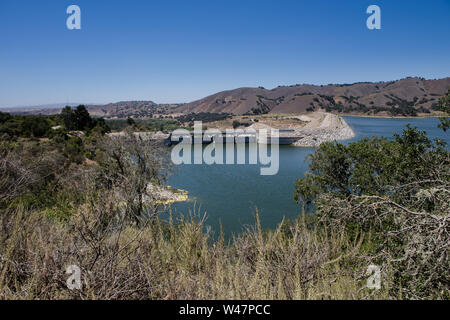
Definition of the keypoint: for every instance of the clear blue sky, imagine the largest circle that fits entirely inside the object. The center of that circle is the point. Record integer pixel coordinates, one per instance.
(179, 51)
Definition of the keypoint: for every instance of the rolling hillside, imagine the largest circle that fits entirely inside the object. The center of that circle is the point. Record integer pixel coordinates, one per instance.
(405, 97)
(396, 97)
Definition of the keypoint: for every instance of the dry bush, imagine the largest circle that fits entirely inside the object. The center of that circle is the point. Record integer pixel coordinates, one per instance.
(26, 168)
(127, 164)
(413, 236)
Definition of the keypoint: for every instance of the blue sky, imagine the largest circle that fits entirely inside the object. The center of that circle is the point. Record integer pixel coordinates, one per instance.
(178, 51)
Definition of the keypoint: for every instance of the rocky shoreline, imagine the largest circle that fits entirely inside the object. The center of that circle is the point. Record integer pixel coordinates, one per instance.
(331, 128)
(166, 194)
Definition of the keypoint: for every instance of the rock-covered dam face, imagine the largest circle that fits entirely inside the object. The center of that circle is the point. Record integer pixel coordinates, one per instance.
(325, 127)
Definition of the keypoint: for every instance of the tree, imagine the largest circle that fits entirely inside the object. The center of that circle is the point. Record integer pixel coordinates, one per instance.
(4, 117)
(398, 192)
(35, 126)
(82, 118)
(69, 118)
(131, 122)
(368, 166)
(445, 107)
(131, 165)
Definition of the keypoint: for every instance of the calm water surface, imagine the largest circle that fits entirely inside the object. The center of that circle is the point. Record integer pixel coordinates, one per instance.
(230, 194)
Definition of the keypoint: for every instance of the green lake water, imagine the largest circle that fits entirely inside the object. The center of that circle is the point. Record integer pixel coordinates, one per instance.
(230, 194)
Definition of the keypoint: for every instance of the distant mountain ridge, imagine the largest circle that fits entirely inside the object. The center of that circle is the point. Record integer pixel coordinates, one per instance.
(407, 96)
(40, 107)
(121, 109)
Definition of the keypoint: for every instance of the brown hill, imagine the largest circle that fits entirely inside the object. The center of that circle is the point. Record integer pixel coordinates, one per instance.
(403, 97)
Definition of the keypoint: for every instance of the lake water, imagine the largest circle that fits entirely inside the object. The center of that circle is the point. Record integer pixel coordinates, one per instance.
(230, 194)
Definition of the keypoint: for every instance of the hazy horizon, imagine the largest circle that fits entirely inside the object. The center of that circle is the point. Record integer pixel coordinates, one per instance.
(56, 105)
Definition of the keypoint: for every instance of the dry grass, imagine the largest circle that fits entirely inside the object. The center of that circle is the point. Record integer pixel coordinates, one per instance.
(172, 261)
